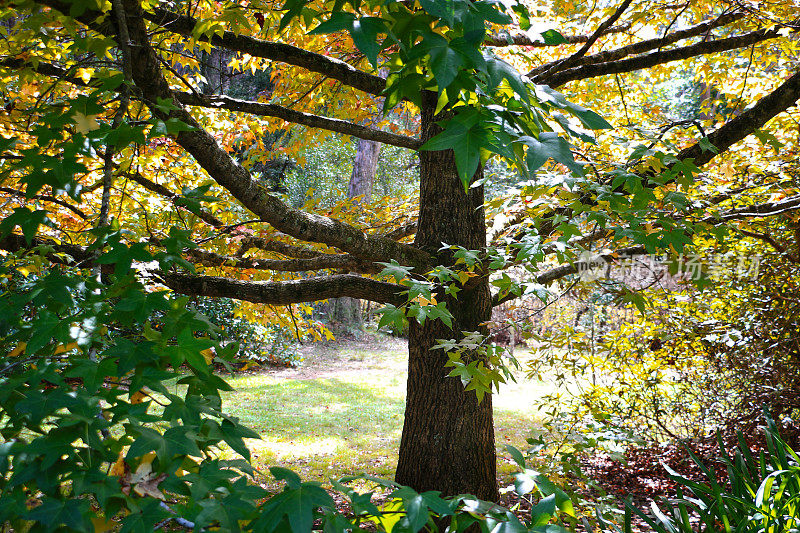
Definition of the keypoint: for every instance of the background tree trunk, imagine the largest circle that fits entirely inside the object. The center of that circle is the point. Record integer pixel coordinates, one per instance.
(448, 437)
(365, 165)
(347, 311)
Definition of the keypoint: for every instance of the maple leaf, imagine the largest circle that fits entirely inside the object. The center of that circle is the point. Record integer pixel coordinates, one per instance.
(85, 123)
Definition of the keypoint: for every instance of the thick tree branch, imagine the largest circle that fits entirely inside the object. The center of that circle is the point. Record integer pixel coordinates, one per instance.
(269, 292)
(286, 292)
(319, 262)
(572, 60)
(649, 44)
(45, 198)
(297, 117)
(583, 72)
(736, 129)
(152, 186)
(769, 209)
(278, 247)
(284, 53)
(245, 106)
(562, 271)
(407, 229)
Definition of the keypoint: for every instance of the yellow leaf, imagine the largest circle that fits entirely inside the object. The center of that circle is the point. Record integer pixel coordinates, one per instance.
(101, 525)
(137, 397)
(118, 468)
(85, 74)
(209, 354)
(18, 349)
(61, 348)
(85, 123)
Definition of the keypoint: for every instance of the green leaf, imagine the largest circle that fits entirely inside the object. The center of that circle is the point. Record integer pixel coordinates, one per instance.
(441, 9)
(516, 455)
(589, 118)
(296, 503)
(174, 441)
(706, 146)
(466, 137)
(445, 64)
(500, 70)
(365, 36)
(284, 474)
(27, 220)
(395, 270)
(552, 37)
(767, 138)
(392, 316)
(71, 513)
(549, 145)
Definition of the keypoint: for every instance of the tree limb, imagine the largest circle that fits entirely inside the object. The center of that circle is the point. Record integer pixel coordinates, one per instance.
(649, 44)
(45, 198)
(318, 262)
(572, 60)
(524, 39)
(583, 72)
(748, 122)
(297, 117)
(286, 292)
(284, 53)
(556, 273)
(268, 292)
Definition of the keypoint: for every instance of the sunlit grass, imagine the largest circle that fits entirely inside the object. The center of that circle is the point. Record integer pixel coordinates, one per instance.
(342, 413)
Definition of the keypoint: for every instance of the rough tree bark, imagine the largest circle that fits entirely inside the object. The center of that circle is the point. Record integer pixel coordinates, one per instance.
(448, 437)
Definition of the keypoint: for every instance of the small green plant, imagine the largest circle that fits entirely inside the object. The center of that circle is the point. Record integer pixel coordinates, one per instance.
(760, 495)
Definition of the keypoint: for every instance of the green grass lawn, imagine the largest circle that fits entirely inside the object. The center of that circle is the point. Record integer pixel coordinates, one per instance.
(342, 411)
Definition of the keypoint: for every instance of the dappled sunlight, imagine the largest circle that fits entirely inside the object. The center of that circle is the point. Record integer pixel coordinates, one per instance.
(342, 412)
(290, 450)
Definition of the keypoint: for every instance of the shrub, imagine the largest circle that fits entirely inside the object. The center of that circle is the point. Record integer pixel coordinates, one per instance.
(752, 493)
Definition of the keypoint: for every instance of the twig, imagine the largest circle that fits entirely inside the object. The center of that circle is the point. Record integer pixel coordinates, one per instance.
(573, 59)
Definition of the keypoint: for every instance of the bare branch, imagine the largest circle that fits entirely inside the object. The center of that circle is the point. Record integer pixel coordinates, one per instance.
(270, 245)
(736, 129)
(562, 271)
(286, 292)
(769, 209)
(409, 228)
(319, 262)
(269, 292)
(297, 117)
(221, 167)
(583, 72)
(524, 39)
(46, 198)
(572, 60)
(649, 44)
(152, 186)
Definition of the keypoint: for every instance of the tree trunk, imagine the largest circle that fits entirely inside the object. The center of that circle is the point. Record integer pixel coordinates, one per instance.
(448, 437)
(347, 311)
(364, 167)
